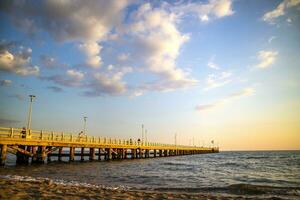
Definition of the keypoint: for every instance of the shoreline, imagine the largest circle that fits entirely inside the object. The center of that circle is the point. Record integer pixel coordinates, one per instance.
(48, 189)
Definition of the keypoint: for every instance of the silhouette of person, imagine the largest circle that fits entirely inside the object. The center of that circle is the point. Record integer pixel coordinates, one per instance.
(23, 132)
(81, 134)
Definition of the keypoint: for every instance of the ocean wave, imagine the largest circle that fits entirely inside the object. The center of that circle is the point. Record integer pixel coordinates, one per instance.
(250, 189)
(174, 164)
(258, 157)
(240, 189)
(61, 182)
(234, 164)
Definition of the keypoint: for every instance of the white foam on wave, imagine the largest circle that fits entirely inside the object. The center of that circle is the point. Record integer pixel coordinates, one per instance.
(62, 182)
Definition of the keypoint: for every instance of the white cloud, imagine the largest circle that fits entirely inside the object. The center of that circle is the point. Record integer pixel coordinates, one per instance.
(211, 63)
(18, 62)
(51, 62)
(217, 80)
(243, 93)
(71, 78)
(92, 51)
(271, 39)
(47, 61)
(75, 75)
(204, 18)
(226, 100)
(137, 93)
(110, 67)
(158, 44)
(5, 82)
(159, 41)
(280, 10)
(266, 58)
(108, 83)
(213, 9)
(123, 57)
(165, 85)
(87, 22)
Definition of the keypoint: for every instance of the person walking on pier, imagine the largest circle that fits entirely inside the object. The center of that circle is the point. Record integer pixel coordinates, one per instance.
(81, 134)
(23, 132)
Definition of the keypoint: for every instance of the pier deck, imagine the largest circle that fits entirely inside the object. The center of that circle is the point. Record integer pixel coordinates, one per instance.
(35, 146)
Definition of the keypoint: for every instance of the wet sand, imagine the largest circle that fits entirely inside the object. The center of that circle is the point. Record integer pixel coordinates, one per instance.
(47, 189)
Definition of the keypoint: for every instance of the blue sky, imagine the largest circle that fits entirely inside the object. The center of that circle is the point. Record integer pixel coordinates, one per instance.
(224, 70)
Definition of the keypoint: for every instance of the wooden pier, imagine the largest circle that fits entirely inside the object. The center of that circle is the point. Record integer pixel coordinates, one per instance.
(31, 146)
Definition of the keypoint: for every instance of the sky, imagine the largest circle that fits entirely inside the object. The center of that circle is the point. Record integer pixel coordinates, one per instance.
(221, 70)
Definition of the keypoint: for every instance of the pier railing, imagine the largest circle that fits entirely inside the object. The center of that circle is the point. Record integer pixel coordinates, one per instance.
(51, 136)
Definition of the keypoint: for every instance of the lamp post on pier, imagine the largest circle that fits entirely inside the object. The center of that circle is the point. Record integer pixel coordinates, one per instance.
(142, 133)
(30, 111)
(84, 125)
(146, 137)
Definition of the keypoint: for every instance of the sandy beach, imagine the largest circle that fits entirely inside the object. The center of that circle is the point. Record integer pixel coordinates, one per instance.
(47, 189)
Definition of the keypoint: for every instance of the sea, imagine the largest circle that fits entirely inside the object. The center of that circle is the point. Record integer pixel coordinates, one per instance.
(261, 174)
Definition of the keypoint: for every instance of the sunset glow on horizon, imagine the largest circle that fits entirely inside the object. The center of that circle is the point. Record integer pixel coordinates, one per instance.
(226, 71)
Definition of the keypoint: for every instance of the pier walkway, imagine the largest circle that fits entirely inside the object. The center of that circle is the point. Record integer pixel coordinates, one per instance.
(35, 146)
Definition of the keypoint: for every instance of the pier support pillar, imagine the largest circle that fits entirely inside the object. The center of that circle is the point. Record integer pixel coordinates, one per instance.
(154, 153)
(41, 154)
(59, 153)
(3, 154)
(92, 154)
(108, 155)
(140, 153)
(72, 151)
(165, 153)
(34, 157)
(28, 148)
(136, 153)
(160, 153)
(21, 158)
(48, 155)
(99, 154)
(147, 153)
(133, 153)
(82, 154)
(124, 153)
(120, 154)
(114, 154)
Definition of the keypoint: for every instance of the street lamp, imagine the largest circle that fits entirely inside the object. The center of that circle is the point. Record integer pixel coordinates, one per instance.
(84, 125)
(146, 136)
(30, 111)
(142, 133)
